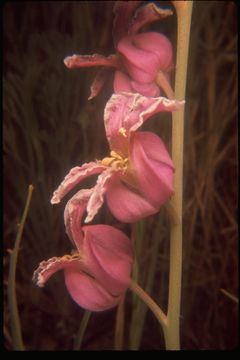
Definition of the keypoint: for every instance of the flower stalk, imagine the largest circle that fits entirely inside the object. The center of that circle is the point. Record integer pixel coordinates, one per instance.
(170, 322)
(119, 327)
(151, 304)
(82, 329)
(172, 334)
(12, 300)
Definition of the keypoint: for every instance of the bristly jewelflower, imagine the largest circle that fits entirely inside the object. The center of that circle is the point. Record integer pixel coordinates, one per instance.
(97, 273)
(137, 177)
(142, 62)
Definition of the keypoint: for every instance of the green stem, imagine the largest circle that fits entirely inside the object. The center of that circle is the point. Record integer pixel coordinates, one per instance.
(81, 331)
(12, 299)
(138, 231)
(151, 304)
(184, 12)
(119, 328)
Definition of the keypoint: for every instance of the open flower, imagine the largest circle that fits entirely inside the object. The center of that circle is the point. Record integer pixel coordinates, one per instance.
(97, 273)
(137, 177)
(142, 62)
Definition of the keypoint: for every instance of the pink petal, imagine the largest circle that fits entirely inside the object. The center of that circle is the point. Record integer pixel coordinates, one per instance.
(145, 15)
(145, 54)
(147, 107)
(88, 293)
(110, 262)
(112, 240)
(74, 177)
(126, 204)
(97, 197)
(150, 90)
(153, 167)
(76, 61)
(99, 82)
(121, 82)
(47, 268)
(106, 251)
(112, 248)
(129, 111)
(73, 216)
(122, 10)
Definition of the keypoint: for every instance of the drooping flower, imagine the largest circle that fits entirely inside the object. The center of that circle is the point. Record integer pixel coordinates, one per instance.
(143, 60)
(97, 273)
(137, 177)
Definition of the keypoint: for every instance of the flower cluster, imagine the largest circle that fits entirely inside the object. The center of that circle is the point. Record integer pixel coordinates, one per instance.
(135, 179)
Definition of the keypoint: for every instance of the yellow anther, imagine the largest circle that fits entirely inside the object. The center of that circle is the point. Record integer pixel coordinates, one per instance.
(107, 161)
(116, 161)
(116, 155)
(66, 257)
(75, 255)
(122, 131)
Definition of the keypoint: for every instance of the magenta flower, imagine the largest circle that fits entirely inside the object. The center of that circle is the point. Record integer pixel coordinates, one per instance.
(97, 274)
(143, 61)
(137, 177)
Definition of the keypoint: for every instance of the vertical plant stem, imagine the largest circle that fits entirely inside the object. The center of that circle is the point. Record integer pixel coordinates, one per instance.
(141, 308)
(184, 12)
(81, 331)
(119, 329)
(138, 230)
(12, 299)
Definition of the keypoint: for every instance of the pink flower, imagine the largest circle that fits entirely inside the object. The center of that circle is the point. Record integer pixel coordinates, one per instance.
(143, 61)
(137, 177)
(97, 274)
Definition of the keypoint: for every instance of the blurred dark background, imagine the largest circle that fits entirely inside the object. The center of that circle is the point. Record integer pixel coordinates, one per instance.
(49, 126)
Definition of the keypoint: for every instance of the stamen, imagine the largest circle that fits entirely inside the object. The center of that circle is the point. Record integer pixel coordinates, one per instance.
(122, 131)
(116, 161)
(116, 155)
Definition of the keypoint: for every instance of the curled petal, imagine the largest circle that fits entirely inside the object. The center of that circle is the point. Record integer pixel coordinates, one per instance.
(47, 268)
(145, 15)
(96, 199)
(147, 107)
(126, 204)
(99, 82)
(82, 286)
(145, 54)
(153, 167)
(73, 216)
(122, 11)
(129, 111)
(76, 61)
(75, 176)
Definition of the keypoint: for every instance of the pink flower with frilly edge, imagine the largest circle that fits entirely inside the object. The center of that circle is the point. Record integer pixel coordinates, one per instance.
(137, 177)
(143, 60)
(97, 274)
